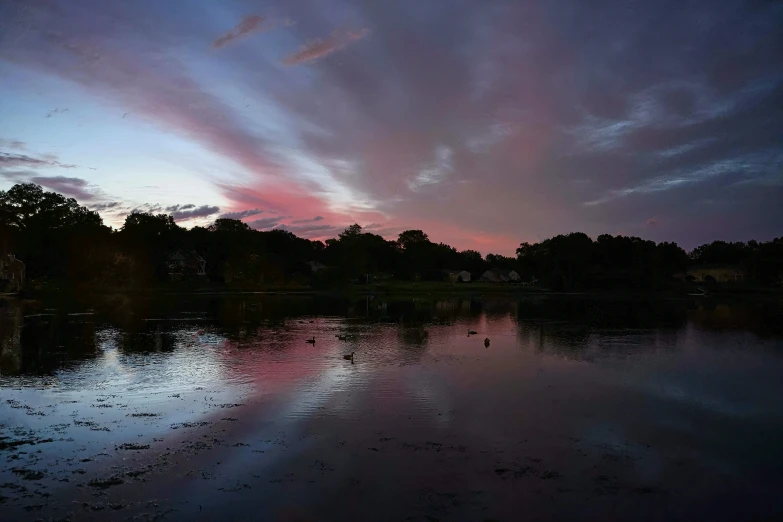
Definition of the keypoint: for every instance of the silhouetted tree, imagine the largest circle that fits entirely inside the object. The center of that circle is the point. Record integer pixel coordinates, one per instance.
(472, 261)
(411, 238)
(720, 253)
(42, 228)
(763, 262)
(58, 238)
(574, 260)
(151, 239)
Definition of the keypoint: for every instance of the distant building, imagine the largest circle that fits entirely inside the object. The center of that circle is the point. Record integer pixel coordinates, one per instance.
(720, 274)
(458, 276)
(12, 273)
(499, 275)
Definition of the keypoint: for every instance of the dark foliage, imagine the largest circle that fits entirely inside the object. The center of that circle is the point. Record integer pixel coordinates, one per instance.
(575, 261)
(59, 239)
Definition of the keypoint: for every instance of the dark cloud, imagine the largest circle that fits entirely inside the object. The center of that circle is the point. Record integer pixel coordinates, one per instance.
(249, 24)
(265, 223)
(150, 208)
(318, 49)
(177, 208)
(574, 112)
(75, 187)
(241, 214)
(78, 188)
(178, 212)
(312, 231)
(109, 205)
(311, 220)
(187, 212)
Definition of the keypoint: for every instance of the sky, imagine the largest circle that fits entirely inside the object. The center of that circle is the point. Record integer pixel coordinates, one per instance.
(483, 123)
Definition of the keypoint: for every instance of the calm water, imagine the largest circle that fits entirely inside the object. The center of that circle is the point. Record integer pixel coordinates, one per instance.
(199, 407)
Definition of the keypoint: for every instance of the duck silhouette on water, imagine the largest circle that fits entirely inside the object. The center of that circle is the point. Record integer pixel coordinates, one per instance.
(486, 342)
(349, 357)
(310, 341)
(472, 332)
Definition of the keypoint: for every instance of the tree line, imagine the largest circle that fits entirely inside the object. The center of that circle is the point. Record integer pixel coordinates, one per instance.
(58, 239)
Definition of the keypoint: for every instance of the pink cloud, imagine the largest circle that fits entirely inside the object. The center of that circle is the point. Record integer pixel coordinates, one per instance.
(318, 49)
(289, 197)
(286, 199)
(290, 200)
(249, 24)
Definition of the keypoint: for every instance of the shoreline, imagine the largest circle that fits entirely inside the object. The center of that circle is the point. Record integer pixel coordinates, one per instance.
(445, 290)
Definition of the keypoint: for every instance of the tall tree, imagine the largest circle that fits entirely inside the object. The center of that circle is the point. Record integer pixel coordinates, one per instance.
(151, 239)
(42, 227)
(411, 238)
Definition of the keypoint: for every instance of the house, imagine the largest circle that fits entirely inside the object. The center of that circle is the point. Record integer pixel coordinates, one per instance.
(500, 275)
(186, 263)
(458, 276)
(12, 273)
(720, 274)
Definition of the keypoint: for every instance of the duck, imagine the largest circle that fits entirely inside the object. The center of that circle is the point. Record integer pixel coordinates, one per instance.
(310, 341)
(349, 357)
(486, 341)
(342, 337)
(472, 332)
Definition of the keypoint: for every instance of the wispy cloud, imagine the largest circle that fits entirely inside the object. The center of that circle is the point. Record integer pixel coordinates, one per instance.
(435, 172)
(13, 144)
(318, 49)
(242, 214)
(9, 160)
(734, 166)
(249, 24)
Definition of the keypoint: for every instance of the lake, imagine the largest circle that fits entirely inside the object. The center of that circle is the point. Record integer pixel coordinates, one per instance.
(215, 407)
